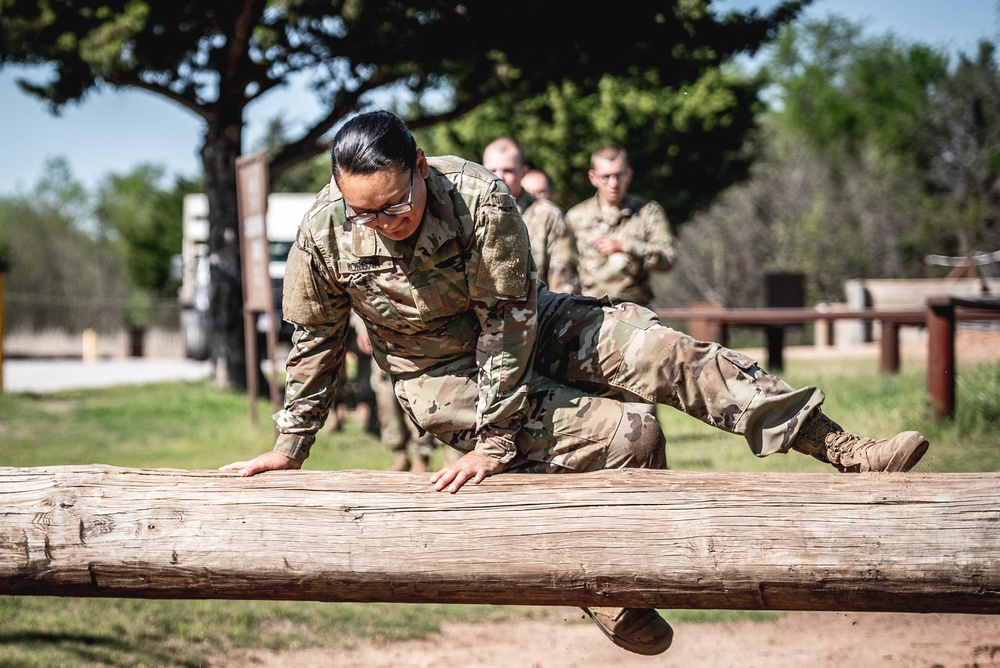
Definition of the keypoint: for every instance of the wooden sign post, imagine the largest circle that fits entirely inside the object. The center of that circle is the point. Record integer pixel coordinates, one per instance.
(252, 185)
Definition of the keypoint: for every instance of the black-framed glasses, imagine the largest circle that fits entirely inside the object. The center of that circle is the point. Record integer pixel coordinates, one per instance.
(391, 210)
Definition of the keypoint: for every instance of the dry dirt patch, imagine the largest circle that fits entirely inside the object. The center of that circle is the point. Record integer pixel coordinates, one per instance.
(812, 639)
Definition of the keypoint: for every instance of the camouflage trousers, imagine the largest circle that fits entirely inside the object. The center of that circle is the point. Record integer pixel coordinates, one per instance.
(591, 361)
(396, 429)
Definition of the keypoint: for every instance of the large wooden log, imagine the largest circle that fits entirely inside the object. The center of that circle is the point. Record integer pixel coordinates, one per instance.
(667, 539)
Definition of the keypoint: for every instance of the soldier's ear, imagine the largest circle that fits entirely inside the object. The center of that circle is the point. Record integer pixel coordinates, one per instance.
(421, 164)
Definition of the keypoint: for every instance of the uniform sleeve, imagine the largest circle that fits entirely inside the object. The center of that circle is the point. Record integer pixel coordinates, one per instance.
(657, 251)
(503, 288)
(320, 313)
(564, 259)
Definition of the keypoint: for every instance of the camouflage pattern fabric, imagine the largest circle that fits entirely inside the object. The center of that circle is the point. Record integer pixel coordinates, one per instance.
(463, 285)
(605, 358)
(641, 224)
(553, 246)
(396, 429)
(486, 359)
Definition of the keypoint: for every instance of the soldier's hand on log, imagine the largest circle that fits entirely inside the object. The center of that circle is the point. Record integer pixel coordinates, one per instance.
(269, 461)
(470, 466)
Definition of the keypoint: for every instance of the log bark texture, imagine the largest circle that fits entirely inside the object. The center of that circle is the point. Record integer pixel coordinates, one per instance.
(666, 539)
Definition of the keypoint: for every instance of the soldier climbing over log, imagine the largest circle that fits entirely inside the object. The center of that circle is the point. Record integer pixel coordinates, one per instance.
(434, 257)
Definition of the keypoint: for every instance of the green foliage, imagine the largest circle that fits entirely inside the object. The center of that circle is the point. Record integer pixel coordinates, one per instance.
(464, 55)
(79, 260)
(143, 218)
(137, 210)
(60, 274)
(873, 154)
(5, 252)
(306, 177)
(883, 106)
(839, 89)
(685, 142)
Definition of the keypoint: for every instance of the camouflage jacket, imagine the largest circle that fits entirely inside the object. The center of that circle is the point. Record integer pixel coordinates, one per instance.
(641, 224)
(463, 285)
(553, 246)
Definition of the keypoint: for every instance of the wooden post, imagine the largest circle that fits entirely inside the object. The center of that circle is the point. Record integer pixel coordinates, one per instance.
(889, 346)
(668, 539)
(775, 335)
(941, 356)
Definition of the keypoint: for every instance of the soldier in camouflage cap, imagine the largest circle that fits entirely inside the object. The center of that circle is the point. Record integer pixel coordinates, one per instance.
(431, 254)
(553, 246)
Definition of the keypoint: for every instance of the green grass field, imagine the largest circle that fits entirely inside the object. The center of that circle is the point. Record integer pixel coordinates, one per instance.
(192, 426)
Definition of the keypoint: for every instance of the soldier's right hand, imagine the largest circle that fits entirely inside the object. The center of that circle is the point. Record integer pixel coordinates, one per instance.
(471, 466)
(269, 461)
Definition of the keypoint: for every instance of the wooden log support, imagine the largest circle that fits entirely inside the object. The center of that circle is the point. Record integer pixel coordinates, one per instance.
(667, 539)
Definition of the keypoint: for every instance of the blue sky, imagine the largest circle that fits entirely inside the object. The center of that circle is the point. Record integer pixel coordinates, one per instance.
(113, 132)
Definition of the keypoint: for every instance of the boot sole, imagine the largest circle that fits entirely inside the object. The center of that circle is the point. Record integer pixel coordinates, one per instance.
(906, 458)
(660, 645)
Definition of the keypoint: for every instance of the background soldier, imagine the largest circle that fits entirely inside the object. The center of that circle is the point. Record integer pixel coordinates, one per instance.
(552, 244)
(621, 237)
(537, 183)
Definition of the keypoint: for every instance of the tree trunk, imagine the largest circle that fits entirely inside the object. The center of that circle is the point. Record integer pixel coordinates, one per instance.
(222, 146)
(668, 539)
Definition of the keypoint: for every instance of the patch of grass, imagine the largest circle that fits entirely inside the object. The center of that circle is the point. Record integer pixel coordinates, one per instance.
(44, 632)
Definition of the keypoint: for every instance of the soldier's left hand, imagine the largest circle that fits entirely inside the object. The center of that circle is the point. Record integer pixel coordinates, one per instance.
(470, 466)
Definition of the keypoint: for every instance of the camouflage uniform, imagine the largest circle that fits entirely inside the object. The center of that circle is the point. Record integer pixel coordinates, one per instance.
(396, 430)
(553, 246)
(641, 224)
(486, 359)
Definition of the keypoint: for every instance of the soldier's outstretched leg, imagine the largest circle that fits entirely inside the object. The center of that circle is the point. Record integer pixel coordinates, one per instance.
(626, 352)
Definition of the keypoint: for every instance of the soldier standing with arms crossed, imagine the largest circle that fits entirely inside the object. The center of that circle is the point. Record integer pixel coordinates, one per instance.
(432, 255)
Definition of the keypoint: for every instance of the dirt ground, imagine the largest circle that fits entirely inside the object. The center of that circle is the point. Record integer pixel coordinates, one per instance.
(796, 639)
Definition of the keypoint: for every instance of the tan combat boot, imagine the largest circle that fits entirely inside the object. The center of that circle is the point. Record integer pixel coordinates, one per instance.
(828, 442)
(639, 630)
(401, 462)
